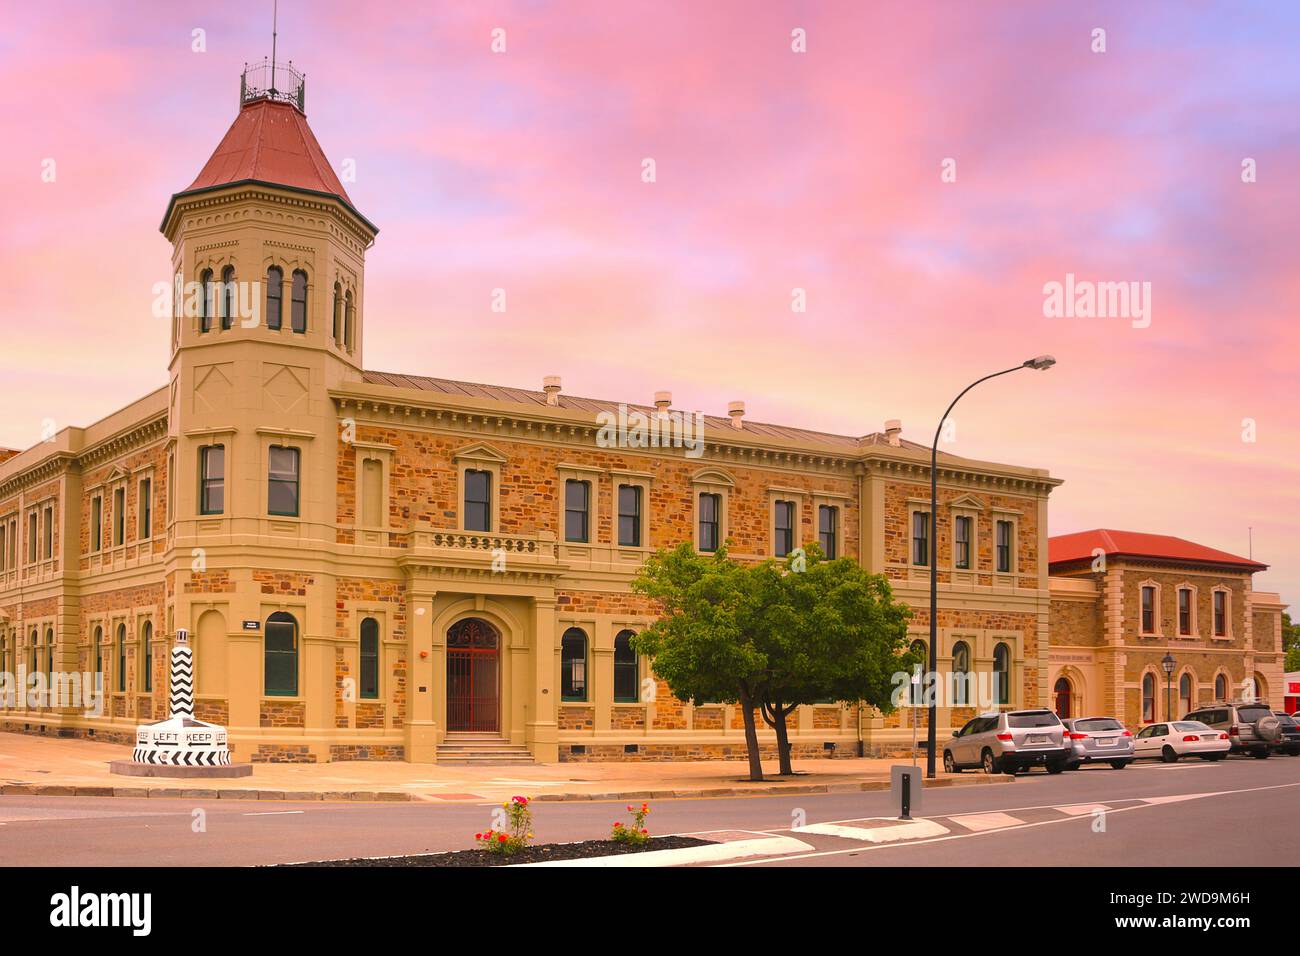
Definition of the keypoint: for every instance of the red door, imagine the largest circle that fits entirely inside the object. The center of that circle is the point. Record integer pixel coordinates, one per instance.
(473, 677)
(1062, 690)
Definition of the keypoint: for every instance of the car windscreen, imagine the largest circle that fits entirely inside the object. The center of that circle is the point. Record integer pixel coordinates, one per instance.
(1033, 718)
(1094, 724)
(1252, 714)
(1190, 727)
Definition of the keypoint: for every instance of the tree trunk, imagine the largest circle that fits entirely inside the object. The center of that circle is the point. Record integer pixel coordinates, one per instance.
(782, 741)
(751, 737)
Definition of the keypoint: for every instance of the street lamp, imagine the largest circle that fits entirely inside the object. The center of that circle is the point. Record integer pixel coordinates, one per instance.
(1168, 663)
(1040, 362)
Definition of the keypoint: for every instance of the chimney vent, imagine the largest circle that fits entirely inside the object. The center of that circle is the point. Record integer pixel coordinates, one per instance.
(551, 386)
(893, 429)
(737, 412)
(663, 400)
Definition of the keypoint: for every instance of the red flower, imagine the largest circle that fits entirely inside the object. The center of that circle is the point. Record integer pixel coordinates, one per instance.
(501, 837)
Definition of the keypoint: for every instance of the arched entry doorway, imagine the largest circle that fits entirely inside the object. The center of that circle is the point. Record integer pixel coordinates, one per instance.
(1061, 693)
(473, 676)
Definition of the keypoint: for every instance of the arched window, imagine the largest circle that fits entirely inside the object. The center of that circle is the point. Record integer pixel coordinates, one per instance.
(1002, 672)
(573, 665)
(274, 298)
(349, 316)
(121, 658)
(1148, 698)
(281, 655)
(298, 304)
(208, 304)
(1220, 686)
(1186, 695)
(920, 650)
(627, 669)
(49, 657)
(99, 659)
(34, 651)
(228, 297)
(338, 312)
(369, 689)
(1062, 691)
(1261, 687)
(960, 670)
(146, 654)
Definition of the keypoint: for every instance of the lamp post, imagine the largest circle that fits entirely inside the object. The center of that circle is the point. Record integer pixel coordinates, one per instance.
(1041, 362)
(1168, 664)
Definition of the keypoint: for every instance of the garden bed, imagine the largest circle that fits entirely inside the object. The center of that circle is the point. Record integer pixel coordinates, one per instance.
(529, 854)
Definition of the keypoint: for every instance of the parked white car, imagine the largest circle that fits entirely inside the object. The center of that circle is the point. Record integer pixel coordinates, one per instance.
(1181, 738)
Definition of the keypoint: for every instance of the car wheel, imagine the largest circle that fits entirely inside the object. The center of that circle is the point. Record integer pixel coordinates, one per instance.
(1119, 764)
(950, 765)
(1168, 754)
(989, 762)
(1055, 766)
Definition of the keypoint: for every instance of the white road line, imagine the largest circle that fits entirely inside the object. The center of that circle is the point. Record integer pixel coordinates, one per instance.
(1024, 826)
(977, 822)
(272, 813)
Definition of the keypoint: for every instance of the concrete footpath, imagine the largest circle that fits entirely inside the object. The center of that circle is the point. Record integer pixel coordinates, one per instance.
(47, 766)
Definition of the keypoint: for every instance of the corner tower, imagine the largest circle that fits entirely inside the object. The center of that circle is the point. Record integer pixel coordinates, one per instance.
(268, 258)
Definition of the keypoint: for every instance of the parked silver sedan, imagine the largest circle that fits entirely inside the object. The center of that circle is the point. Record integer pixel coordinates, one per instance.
(1098, 740)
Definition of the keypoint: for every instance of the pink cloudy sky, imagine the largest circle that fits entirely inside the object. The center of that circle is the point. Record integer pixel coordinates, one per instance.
(776, 171)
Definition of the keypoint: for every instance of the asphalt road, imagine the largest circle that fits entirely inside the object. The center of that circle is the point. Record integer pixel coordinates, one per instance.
(1239, 811)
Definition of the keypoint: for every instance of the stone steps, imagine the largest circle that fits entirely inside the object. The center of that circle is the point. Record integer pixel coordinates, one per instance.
(479, 749)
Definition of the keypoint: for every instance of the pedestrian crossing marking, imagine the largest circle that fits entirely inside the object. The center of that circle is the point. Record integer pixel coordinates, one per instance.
(978, 822)
(1083, 809)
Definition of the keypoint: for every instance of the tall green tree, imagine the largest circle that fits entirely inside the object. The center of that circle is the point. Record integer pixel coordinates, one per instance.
(772, 636)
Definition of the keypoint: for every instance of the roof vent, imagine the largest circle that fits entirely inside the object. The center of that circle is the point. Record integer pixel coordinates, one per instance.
(663, 400)
(737, 412)
(551, 386)
(893, 429)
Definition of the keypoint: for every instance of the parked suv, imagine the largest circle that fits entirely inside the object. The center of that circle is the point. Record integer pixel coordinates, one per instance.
(1099, 739)
(1289, 741)
(1007, 742)
(1251, 726)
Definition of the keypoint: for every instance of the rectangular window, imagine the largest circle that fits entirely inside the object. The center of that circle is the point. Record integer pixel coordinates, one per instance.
(281, 664)
(828, 529)
(710, 515)
(282, 481)
(146, 508)
(372, 493)
(96, 523)
(369, 659)
(1220, 614)
(1184, 611)
(962, 542)
(119, 517)
(478, 500)
(4, 554)
(629, 516)
(920, 538)
(1004, 547)
(48, 543)
(784, 524)
(577, 510)
(1148, 610)
(212, 480)
(31, 538)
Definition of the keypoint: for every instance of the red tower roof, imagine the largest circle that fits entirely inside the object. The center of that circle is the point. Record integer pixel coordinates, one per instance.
(1065, 548)
(269, 143)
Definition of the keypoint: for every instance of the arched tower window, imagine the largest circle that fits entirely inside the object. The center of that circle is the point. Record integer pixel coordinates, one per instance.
(1002, 672)
(338, 313)
(960, 670)
(298, 305)
(1186, 694)
(274, 298)
(208, 303)
(1148, 698)
(349, 318)
(121, 658)
(228, 297)
(1220, 686)
(146, 654)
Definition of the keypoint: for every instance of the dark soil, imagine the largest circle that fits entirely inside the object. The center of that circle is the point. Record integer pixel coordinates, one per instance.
(529, 854)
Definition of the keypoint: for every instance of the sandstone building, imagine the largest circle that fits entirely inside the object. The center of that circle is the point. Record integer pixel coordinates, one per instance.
(400, 567)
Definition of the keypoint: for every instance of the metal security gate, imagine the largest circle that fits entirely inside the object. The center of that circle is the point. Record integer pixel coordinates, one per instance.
(473, 677)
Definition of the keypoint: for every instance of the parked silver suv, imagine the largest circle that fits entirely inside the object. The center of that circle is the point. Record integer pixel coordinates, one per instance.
(1250, 725)
(1007, 742)
(1099, 739)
